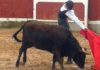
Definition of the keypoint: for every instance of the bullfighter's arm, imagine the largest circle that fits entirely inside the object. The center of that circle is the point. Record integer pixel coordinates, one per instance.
(71, 15)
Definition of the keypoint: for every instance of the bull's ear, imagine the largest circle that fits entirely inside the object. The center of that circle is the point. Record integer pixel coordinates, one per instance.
(83, 50)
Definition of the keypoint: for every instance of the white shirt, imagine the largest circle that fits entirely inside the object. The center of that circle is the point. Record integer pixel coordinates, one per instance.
(73, 17)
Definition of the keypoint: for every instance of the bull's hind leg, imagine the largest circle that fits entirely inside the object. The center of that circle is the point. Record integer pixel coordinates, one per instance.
(26, 46)
(18, 60)
(25, 56)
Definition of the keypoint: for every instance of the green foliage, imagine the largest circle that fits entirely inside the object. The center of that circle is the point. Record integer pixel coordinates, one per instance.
(10, 24)
(15, 24)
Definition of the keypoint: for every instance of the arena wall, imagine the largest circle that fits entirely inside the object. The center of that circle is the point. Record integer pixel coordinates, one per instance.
(46, 10)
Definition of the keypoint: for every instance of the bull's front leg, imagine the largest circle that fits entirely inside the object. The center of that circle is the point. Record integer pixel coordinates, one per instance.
(60, 59)
(54, 61)
(69, 60)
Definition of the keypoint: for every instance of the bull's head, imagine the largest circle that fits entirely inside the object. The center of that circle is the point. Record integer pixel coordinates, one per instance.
(79, 59)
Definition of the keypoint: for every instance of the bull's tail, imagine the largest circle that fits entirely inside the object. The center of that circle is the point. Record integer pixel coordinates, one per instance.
(15, 34)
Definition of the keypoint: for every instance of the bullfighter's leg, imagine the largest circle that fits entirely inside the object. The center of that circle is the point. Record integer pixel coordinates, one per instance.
(18, 60)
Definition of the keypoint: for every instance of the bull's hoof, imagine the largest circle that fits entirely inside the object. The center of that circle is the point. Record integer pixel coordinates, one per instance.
(17, 64)
(69, 62)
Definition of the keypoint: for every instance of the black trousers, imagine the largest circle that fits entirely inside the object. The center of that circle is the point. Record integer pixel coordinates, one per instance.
(64, 23)
(71, 39)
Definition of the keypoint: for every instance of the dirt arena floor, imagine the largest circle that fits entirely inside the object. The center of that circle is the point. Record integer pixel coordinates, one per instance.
(37, 59)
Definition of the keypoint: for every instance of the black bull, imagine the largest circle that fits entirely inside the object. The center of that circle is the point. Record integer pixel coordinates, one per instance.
(52, 38)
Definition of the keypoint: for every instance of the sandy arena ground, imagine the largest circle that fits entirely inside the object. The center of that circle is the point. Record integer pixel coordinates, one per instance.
(37, 59)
